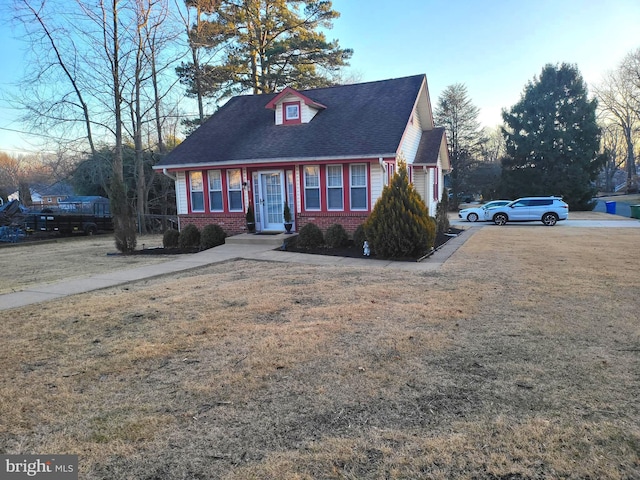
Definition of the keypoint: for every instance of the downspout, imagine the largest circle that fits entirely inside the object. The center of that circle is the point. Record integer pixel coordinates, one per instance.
(383, 166)
(427, 183)
(166, 173)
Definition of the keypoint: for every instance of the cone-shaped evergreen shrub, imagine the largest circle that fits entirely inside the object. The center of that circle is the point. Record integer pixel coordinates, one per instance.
(336, 236)
(189, 237)
(124, 225)
(212, 236)
(399, 225)
(442, 216)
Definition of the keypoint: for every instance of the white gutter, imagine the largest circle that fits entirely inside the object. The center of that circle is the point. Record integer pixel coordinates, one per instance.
(166, 173)
(265, 161)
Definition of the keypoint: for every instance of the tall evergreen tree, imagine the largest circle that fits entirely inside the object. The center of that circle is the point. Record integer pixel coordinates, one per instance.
(459, 116)
(263, 46)
(552, 140)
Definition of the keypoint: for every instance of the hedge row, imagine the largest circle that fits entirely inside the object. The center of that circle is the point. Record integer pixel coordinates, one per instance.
(191, 237)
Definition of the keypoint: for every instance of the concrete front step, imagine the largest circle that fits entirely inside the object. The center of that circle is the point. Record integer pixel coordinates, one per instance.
(275, 239)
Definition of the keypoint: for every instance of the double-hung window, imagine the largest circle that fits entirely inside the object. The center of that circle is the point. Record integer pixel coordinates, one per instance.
(234, 190)
(312, 188)
(197, 191)
(335, 197)
(215, 191)
(358, 186)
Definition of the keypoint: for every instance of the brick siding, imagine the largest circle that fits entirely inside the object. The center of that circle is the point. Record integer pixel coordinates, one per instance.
(231, 224)
(349, 221)
(235, 224)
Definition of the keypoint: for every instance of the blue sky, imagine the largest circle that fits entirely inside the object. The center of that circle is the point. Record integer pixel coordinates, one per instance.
(494, 47)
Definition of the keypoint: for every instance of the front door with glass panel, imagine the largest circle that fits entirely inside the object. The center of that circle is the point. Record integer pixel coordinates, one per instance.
(270, 200)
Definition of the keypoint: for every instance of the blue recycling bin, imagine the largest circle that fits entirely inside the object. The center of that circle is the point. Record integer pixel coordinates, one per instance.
(611, 207)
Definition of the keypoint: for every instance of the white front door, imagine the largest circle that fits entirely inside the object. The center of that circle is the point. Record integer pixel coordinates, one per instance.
(271, 199)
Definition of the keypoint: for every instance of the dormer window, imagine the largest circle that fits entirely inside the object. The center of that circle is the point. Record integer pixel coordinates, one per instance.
(293, 107)
(291, 112)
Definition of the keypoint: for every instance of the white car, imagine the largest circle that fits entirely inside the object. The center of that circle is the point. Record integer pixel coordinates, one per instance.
(473, 214)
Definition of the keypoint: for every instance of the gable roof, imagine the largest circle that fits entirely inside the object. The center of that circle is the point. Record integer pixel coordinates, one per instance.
(431, 144)
(360, 120)
(290, 91)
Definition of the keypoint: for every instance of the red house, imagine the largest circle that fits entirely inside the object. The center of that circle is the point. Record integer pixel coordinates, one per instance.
(327, 152)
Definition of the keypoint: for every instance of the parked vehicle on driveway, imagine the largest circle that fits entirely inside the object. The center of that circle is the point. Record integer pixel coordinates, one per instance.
(480, 212)
(548, 210)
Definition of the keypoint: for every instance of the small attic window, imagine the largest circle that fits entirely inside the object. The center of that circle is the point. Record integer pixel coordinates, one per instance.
(291, 112)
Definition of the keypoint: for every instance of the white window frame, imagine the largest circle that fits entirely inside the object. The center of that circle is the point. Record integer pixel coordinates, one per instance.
(233, 188)
(213, 188)
(292, 106)
(353, 186)
(195, 190)
(312, 187)
(335, 187)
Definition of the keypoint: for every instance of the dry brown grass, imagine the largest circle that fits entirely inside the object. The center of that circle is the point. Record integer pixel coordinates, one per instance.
(518, 359)
(31, 263)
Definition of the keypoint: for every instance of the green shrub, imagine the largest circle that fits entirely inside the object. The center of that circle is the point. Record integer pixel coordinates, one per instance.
(124, 224)
(189, 237)
(399, 225)
(336, 236)
(212, 236)
(286, 213)
(442, 217)
(359, 236)
(250, 215)
(310, 236)
(170, 238)
(125, 233)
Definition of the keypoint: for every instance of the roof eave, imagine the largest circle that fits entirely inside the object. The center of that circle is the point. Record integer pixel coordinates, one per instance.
(261, 161)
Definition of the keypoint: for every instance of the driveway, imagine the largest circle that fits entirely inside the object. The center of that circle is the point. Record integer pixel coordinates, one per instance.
(622, 209)
(593, 219)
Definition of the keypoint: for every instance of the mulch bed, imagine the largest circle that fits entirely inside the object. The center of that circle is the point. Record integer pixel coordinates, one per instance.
(351, 251)
(165, 251)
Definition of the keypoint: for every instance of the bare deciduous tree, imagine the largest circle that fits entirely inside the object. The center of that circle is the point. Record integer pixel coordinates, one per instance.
(618, 105)
(107, 65)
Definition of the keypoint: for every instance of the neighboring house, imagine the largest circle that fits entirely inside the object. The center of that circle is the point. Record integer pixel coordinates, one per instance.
(46, 195)
(328, 152)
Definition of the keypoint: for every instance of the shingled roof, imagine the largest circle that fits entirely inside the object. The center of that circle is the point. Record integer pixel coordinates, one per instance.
(360, 120)
(429, 146)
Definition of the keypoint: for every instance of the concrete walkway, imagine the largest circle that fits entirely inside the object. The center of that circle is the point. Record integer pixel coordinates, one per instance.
(241, 247)
(245, 247)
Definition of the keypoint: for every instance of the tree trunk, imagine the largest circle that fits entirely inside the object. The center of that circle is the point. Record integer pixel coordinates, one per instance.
(123, 223)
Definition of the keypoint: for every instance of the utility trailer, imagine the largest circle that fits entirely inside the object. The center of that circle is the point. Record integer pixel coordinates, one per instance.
(86, 215)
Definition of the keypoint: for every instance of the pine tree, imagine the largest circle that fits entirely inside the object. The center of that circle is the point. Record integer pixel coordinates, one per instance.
(263, 46)
(399, 225)
(552, 140)
(459, 116)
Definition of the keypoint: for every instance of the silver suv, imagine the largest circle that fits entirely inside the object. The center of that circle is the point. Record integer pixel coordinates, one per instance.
(548, 210)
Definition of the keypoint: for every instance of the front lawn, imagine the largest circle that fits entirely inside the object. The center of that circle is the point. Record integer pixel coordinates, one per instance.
(517, 359)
